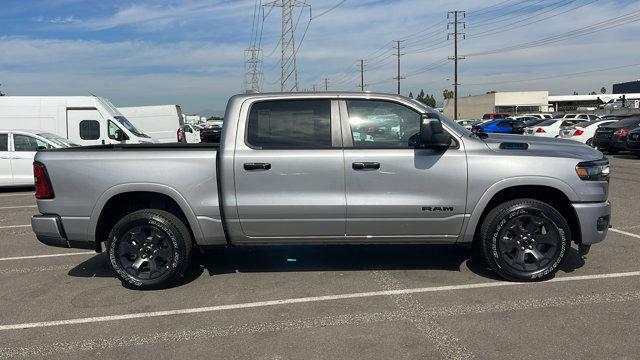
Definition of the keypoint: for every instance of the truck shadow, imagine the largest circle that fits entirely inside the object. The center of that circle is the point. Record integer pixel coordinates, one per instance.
(323, 258)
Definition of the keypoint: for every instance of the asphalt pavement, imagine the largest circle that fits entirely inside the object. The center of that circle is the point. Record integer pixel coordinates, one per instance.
(331, 302)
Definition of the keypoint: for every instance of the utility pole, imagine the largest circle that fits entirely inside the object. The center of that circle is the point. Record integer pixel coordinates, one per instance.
(361, 74)
(314, 87)
(253, 76)
(456, 23)
(326, 84)
(398, 47)
(288, 66)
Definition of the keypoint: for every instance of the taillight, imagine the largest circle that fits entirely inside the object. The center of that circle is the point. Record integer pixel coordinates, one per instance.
(41, 178)
(540, 130)
(621, 132)
(578, 132)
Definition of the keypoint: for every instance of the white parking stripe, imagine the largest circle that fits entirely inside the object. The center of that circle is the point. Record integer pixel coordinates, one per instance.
(17, 194)
(18, 207)
(624, 233)
(13, 226)
(44, 256)
(305, 300)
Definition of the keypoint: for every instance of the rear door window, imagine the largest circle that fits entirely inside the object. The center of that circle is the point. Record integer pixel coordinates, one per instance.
(290, 124)
(4, 142)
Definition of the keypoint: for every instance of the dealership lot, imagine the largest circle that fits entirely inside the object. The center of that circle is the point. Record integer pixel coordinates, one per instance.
(381, 302)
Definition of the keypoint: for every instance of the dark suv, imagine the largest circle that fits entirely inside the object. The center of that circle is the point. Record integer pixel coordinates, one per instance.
(612, 138)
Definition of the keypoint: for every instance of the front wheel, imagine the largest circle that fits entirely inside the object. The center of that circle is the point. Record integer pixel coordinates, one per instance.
(525, 240)
(149, 249)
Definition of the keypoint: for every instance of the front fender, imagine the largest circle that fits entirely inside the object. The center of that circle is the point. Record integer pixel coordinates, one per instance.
(472, 222)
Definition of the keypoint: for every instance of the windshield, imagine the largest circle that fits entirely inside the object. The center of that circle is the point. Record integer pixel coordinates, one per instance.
(58, 140)
(129, 126)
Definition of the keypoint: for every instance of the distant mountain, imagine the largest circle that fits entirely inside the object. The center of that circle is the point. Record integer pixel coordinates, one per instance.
(210, 112)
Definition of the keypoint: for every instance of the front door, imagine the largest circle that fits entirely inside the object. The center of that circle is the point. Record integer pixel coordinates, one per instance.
(24, 150)
(6, 176)
(85, 126)
(394, 191)
(289, 173)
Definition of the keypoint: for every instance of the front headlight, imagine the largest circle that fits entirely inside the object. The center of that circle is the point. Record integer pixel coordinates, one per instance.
(597, 170)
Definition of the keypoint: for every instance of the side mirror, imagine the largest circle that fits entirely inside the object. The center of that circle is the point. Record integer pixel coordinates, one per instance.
(121, 136)
(432, 135)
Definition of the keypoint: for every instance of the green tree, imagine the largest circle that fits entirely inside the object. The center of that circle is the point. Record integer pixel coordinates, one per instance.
(447, 94)
(1, 93)
(421, 97)
(410, 95)
(603, 90)
(432, 101)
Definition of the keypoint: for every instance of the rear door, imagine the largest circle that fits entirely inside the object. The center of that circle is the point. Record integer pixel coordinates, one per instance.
(24, 150)
(85, 126)
(6, 176)
(394, 191)
(289, 171)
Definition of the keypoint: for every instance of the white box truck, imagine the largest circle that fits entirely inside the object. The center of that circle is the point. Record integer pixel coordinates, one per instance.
(84, 120)
(161, 122)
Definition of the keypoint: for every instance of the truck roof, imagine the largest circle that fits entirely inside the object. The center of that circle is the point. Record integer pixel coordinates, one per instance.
(360, 94)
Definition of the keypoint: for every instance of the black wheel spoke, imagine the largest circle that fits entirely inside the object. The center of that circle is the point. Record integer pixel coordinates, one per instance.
(145, 252)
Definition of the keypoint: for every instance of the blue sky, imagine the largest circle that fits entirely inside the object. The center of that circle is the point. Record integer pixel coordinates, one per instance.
(191, 52)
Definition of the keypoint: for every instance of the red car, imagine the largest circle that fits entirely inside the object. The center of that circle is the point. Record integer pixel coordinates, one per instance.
(492, 116)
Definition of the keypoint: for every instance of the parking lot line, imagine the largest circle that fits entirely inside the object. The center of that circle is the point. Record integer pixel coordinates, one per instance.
(17, 194)
(13, 226)
(44, 256)
(625, 233)
(18, 207)
(310, 299)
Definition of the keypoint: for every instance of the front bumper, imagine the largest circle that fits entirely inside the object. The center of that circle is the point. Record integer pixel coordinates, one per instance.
(49, 231)
(594, 221)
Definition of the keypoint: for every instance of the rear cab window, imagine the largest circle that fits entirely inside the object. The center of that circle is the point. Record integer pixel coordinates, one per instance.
(290, 124)
(4, 142)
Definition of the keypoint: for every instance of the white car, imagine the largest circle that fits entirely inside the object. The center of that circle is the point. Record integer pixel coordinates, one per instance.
(190, 133)
(551, 127)
(584, 131)
(540, 115)
(17, 150)
(584, 117)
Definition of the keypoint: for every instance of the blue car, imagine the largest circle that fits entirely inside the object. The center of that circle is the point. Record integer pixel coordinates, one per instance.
(503, 126)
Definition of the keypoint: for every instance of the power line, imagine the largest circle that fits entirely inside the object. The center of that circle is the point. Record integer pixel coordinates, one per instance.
(330, 9)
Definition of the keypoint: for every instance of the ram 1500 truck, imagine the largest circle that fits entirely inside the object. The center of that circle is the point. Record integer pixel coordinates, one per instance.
(326, 168)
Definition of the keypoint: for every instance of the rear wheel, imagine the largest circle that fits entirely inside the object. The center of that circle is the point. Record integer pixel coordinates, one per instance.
(149, 249)
(525, 240)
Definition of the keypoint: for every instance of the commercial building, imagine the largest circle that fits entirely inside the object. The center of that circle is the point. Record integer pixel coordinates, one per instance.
(473, 107)
(627, 87)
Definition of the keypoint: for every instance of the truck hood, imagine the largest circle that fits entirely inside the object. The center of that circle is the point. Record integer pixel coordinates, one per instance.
(541, 146)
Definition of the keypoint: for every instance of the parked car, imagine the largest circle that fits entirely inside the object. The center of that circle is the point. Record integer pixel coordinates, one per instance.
(279, 177)
(550, 127)
(158, 121)
(588, 117)
(540, 115)
(17, 150)
(503, 126)
(491, 116)
(189, 133)
(211, 134)
(84, 120)
(584, 131)
(633, 142)
(612, 138)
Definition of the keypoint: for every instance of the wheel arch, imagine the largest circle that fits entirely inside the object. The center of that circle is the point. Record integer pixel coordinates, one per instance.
(125, 198)
(552, 191)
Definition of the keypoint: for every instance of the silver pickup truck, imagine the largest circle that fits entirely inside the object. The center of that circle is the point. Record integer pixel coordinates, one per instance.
(326, 168)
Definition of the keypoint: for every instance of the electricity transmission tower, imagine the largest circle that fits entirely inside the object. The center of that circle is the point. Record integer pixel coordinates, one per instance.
(288, 66)
(455, 34)
(253, 75)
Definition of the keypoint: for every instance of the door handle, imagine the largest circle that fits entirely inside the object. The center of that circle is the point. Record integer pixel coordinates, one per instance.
(16, 157)
(5, 157)
(257, 166)
(365, 166)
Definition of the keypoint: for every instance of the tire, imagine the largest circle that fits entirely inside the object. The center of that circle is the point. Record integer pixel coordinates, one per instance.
(149, 249)
(524, 240)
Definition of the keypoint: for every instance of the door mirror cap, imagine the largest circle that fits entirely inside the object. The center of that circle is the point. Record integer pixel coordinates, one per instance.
(121, 136)
(432, 135)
